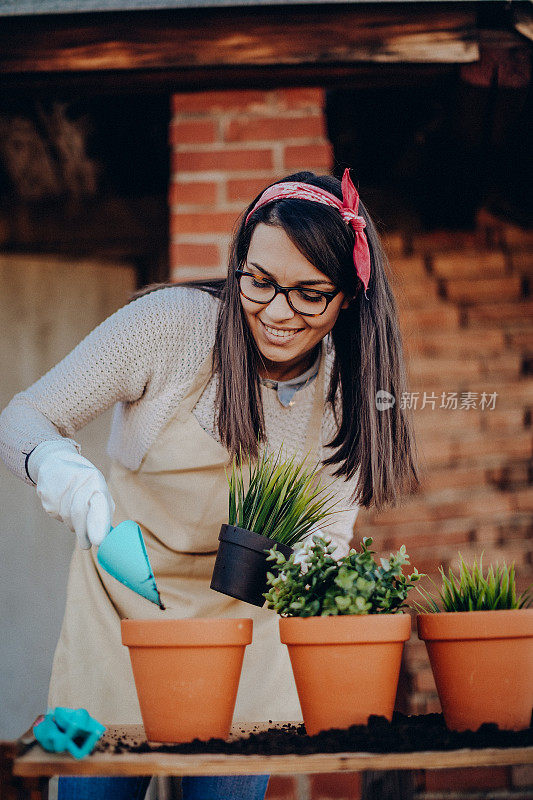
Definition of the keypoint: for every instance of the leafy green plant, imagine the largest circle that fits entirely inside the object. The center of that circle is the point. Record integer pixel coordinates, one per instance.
(324, 586)
(470, 590)
(283, 500)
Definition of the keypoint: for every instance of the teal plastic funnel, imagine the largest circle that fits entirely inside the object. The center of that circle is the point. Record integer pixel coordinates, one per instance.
(123, 555)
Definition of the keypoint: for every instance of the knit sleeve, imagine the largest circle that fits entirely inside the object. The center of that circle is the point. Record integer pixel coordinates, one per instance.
(125, 359)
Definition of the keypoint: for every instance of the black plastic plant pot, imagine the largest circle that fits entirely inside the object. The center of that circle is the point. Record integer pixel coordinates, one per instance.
(241, 566)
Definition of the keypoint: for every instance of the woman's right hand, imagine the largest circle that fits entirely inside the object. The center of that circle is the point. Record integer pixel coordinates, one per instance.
(72, 490)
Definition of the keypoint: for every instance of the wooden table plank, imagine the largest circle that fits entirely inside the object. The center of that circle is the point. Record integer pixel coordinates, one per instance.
(37, 763)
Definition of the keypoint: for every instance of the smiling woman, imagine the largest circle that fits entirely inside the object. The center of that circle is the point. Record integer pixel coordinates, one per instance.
(288, 351)
(285, 331)
(312, 231)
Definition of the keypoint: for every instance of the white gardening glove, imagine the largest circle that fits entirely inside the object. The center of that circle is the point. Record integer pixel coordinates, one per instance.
(72, 490)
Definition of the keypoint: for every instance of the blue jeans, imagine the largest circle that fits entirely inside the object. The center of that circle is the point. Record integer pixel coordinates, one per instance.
(209, 787)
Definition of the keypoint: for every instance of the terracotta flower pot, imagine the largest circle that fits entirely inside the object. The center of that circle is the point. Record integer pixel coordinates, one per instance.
(345, 668)
(241, 564)
(482, 662)
(186, 674)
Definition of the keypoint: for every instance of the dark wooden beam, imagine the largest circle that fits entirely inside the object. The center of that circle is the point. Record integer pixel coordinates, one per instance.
(202, 39)
(111, 82)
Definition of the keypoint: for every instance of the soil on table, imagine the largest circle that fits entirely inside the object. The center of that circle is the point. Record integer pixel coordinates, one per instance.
(403, 734)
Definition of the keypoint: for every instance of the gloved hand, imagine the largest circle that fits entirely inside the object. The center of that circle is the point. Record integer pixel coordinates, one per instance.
(72, 490)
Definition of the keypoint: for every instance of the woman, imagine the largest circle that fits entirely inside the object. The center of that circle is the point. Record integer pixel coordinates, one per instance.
(289, 350)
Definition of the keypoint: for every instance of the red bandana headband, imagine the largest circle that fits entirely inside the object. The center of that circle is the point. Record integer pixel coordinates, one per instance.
(347, 207)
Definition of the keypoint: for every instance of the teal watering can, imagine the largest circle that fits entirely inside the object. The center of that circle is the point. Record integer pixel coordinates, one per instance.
(123, 555)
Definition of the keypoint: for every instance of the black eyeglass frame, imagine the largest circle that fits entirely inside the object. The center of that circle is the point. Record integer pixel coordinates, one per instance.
(285, 291)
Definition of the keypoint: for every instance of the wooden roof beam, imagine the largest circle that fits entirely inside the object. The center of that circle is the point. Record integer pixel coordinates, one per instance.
(203, 39)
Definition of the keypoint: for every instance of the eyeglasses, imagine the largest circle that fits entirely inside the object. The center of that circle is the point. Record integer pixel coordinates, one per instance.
(307, 302)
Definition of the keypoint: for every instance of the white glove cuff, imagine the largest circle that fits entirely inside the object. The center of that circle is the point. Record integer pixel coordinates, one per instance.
(44, 449)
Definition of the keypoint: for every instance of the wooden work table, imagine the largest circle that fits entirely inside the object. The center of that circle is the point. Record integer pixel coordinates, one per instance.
(34, 766)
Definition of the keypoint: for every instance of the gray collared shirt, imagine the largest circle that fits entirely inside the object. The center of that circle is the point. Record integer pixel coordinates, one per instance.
(287, 389)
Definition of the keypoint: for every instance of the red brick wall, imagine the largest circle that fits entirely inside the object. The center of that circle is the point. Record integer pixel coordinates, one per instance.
(226, 146)
(466, 317)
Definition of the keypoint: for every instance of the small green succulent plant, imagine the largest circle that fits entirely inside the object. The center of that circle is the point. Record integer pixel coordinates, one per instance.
(325, 586)
(471, 590)
(284, 500)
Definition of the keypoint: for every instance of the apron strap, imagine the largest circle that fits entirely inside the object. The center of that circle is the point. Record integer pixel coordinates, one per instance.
(314, 428)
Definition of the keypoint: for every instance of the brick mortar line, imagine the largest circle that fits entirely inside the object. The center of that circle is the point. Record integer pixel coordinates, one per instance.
(495, 518)
(247, 116)
(518, 516)
(458, 494)
(225, 206)
(221, 193)
(470, 549)
(192, 273)
(271, 101)
(200, 238)
(478, 492)
(195, 268)
(436, 554)
(196, 208)
(303, 785)
(250, 144)
(278, 158)
(229, 174)
(237, 210)
(221, 178)
(191, 179)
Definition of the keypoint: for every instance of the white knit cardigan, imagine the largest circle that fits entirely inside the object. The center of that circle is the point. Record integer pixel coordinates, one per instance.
(143, 359)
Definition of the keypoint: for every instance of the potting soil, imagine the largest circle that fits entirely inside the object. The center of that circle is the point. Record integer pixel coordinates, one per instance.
(404, 734)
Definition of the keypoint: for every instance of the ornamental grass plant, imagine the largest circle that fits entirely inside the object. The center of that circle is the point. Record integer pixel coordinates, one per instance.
(283, 501)
(471, 590)
(481, 662)
(324, 586)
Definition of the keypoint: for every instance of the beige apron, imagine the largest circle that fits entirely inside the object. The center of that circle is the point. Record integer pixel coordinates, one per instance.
(179, 496)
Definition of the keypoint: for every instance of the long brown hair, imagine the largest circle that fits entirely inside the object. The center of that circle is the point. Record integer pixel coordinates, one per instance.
(376, 444)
